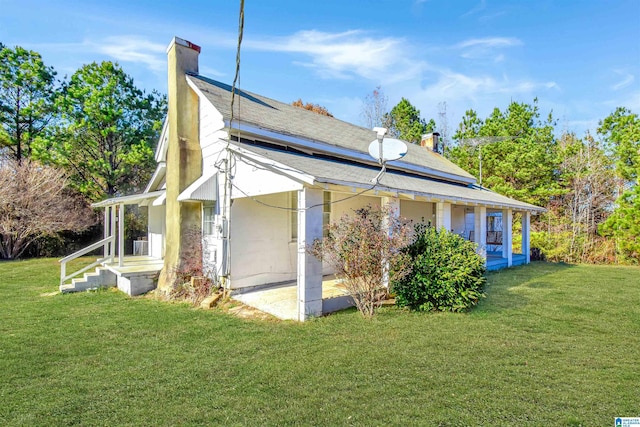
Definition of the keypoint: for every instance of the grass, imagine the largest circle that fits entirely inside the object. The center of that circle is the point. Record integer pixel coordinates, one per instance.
(551, 345)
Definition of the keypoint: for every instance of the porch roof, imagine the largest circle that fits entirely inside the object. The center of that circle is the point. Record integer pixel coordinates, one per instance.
(133, 199)
(202, 189)
(343, 173)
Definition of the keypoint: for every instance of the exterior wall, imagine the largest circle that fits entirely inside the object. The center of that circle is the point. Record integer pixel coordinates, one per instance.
(260, 242)
(418, 211)
(458, 220)
(348, 206)
(156, 230)
(211, 123)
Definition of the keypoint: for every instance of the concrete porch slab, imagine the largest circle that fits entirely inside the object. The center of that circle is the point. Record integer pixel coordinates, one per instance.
(280, 300)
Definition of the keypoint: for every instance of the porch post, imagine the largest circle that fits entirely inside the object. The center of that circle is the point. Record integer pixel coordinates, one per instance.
(309, 275)
(526, 236)
(443, 215)
(480, 230)
(121, 235)
(105, 231)
(393, 204)
(507, 236)
(112, 232)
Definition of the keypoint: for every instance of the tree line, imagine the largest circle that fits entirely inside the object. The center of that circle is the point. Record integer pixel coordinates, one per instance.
(92, 135)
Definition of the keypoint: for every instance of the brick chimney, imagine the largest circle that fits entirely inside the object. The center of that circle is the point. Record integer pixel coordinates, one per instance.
(184, 164)
(431, 141)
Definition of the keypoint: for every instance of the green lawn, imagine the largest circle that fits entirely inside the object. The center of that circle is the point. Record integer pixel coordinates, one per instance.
(551, 345)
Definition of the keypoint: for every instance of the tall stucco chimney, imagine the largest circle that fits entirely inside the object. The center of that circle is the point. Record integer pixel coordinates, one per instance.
(184, 165)
(431, 141)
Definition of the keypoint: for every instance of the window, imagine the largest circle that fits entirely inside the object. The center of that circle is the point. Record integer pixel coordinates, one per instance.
(208, 218)
(326, 212)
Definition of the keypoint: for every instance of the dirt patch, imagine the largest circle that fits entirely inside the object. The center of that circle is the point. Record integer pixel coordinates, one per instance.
(243, 311)
(50, 294)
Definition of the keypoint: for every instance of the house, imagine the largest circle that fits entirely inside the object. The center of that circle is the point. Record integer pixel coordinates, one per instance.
(255, 180)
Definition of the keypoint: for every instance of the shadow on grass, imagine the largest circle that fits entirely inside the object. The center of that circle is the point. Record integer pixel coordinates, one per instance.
(501, 285)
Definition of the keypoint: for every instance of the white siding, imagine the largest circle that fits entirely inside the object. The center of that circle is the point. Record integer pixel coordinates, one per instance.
(348, 206)
(156, 228)
(418, 212)
(458, 220)
(210, 124)
(260, 242)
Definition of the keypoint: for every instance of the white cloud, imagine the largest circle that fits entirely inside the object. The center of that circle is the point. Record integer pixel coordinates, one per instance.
(627, 79)
(340, 55)
(486, 47)
(133, 49)
(452, 85)
(490, 42)
(477, 9)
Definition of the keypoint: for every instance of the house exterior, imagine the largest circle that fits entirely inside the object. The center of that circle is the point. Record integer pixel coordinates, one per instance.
(255, 183)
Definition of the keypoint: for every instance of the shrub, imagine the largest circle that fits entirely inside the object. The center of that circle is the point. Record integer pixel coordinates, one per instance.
(447, 273)
(193, 281)
(364, 250)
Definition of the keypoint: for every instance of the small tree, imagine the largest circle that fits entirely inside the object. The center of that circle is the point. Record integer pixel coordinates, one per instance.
(315, 108)
(194, 281)
(35, 201)
(447, 274)
(365, 250)
(374, 109)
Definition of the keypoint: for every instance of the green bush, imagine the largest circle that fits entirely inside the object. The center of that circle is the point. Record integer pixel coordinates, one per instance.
(447, 273)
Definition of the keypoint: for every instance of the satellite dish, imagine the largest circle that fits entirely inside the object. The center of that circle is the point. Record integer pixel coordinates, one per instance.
(387, 149)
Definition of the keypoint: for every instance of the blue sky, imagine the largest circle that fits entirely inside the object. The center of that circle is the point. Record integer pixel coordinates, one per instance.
(581, 59)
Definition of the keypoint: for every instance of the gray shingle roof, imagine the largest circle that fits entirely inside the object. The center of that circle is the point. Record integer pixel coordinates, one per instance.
(286, 119)
(334, 171)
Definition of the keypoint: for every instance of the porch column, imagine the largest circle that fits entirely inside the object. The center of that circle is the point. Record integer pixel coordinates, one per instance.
(393, 204)
(443, 215)
(120, 235)
(105, 231)
(507, 236)
(480, 230)
(526, 236)
(309, 267)
(112, 232)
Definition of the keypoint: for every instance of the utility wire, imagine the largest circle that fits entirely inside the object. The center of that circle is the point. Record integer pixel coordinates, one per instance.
(226, 213)
(236, 77)
(285, 208)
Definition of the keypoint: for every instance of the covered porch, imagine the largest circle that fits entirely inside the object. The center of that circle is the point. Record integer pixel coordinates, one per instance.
(132, 273)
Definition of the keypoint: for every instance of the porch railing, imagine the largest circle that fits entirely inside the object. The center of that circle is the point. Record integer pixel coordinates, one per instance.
(108, 255)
